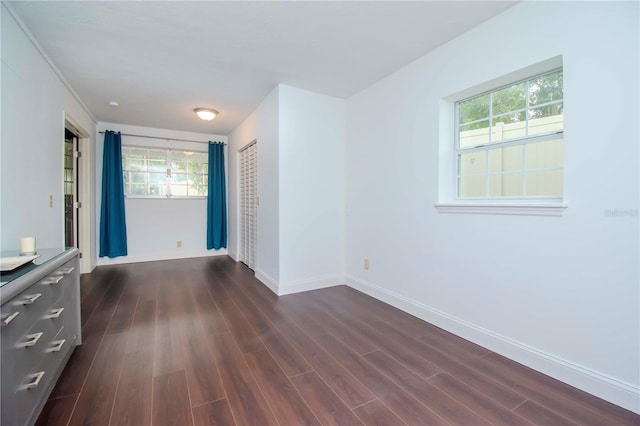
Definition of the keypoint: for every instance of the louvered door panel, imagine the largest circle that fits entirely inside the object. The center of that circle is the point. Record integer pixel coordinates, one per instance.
(248, 197)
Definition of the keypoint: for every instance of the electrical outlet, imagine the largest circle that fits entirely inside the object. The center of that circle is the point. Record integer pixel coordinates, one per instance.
(50, 200)
(366, 264)
(179, 243)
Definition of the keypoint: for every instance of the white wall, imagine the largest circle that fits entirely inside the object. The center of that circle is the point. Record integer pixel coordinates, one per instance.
(155, 225)
(301, 212)
(261, 125)
(311, 166)
(558, 293)
(34, 103)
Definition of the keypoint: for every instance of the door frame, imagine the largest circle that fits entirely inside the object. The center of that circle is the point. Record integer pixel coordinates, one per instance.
(85, 182)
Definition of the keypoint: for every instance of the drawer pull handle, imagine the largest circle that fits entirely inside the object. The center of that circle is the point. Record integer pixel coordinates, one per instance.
(32, 339)
(30, 299)
(34, 380)
(52, 280)
(55, 313)
(10, 318)
(66, 271)
(58, 344)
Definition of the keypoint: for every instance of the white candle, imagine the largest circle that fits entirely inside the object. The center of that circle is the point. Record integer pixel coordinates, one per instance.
(28, 245)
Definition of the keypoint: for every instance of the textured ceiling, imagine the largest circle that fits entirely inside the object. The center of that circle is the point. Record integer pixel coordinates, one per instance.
(160, 60)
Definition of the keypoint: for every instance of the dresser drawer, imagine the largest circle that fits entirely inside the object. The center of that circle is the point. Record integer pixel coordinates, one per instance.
(31, 303)
(62, 344)
(67, 272)
(34, 386)
(66, 269)
(32, 346)
(37, 366)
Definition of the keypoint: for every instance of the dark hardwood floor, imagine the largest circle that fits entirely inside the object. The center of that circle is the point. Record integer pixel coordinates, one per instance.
(201, 341)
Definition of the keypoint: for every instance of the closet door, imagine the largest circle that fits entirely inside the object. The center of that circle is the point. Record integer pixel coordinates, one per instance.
(248, 198)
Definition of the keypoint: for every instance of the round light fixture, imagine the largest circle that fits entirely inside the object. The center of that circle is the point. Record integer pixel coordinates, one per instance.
(113, 104)
(206, 113)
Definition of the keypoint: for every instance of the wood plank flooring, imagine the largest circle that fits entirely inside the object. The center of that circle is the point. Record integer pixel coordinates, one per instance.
(202, 342)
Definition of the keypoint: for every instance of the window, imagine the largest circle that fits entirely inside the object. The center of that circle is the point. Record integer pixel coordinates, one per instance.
(164, 173)
(509, 142)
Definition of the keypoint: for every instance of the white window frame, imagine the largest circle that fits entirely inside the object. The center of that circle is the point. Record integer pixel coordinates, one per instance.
(169, 173)
(449, 122)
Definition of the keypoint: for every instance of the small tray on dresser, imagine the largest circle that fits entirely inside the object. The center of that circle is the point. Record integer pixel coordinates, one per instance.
(11, 263)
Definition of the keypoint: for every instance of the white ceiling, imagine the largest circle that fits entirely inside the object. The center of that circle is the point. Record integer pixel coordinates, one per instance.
(160, 60)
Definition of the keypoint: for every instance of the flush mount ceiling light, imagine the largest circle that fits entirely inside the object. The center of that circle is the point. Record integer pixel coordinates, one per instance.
(206, 113)
(113, 104)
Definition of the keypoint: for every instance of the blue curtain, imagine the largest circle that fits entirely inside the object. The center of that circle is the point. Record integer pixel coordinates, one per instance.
(217, 199)
(113, 229)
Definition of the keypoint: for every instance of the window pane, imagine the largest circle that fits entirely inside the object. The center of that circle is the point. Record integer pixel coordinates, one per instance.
(138, 189)
(179, 178)
(505, 159)
(178, 165)
(510, 99)
(199, 180)
(543, 155)
(510, 185)
(472, 163)
(505, 185)
(546, 119)
(158, 189)
(511, 117)
(197, 166)
(474, 109)
(511, 130)
(471, 186)
(546, 88)
(138, 177)
(198, 191)
(136, 164)
(179, 190)
(157, 166)
(474, 134)
(200, 156)
(544, 183)
(157, 178)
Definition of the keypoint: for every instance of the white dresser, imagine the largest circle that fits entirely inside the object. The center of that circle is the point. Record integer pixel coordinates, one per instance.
(40, 327)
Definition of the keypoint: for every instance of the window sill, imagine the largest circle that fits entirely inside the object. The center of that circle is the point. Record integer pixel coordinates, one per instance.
(523, 209)
(175, 197)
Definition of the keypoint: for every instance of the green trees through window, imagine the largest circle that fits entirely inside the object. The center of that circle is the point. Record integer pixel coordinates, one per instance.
(510, 140)
(536, 98)
(162, 173)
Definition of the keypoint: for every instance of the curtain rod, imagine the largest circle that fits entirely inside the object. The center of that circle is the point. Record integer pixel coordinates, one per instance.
(157, 137)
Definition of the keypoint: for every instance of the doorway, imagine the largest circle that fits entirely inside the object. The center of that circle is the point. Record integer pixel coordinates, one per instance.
(78, 196)
(248, 204)
(71, 185)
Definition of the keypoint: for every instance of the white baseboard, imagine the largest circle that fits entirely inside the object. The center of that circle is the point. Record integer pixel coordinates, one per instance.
(159, 256)
(306, 285)
(267, 280)
(298, 286)
(593, 382)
